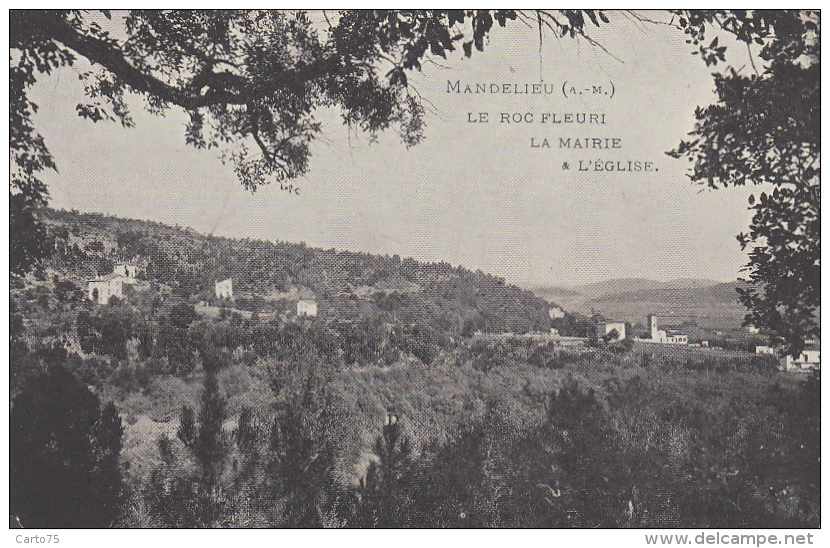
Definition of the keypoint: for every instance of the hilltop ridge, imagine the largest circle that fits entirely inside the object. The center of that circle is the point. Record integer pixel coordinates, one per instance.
(265, 274)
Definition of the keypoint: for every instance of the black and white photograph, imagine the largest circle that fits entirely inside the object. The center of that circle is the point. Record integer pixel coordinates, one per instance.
(416, 269)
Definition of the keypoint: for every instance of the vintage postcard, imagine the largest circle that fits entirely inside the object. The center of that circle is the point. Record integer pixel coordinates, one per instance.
(548, 269)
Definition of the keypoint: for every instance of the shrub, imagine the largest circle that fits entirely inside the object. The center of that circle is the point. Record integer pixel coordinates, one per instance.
(302, 468)
(384, 494)
(105, 332)
(451, 487)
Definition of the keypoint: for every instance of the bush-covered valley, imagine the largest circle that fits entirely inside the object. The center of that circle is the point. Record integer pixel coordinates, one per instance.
(394, 407)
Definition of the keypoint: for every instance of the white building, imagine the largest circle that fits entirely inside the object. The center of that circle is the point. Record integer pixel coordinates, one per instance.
(661, 336)
(306, 308)
(810, 358)
(603, 329)
(102, 288)
(556, 313)
(224, 289)
(765, 350)
(752, 329)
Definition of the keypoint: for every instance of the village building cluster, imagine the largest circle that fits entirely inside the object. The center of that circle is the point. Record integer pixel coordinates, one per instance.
(606, 329)
(102, 288)
(662, 336)
(223, 289)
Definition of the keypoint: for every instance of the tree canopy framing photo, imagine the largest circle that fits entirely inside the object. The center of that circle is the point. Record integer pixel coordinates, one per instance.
(251, 82)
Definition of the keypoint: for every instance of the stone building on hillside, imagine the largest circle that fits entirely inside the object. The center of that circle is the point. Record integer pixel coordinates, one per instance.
(224, 289)
(306, 308)
(102, 288)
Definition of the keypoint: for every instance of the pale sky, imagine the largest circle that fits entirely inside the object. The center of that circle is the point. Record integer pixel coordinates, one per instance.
(472, 194)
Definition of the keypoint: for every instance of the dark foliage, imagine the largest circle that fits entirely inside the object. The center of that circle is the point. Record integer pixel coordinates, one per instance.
(573, 325)
(302, 467)
(105, 331)
(386, 494)
(184, 501)
(569, 472)
(63, 453)
(17, 344)
(194, 500)
(30, 242)
(205, 438)
(453, 488)
(765, 130)
(584, 467)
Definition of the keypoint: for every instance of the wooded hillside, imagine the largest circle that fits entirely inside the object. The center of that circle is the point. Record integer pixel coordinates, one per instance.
(346, 284)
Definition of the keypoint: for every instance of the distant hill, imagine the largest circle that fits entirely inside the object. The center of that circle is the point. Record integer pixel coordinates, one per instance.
(705, 302)
(630, 285)
(715, 306)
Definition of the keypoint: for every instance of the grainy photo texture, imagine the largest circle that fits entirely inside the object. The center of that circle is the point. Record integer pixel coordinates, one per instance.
(414, 269)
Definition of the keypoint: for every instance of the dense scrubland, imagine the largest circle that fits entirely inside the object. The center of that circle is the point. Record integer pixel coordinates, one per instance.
(394, 408)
